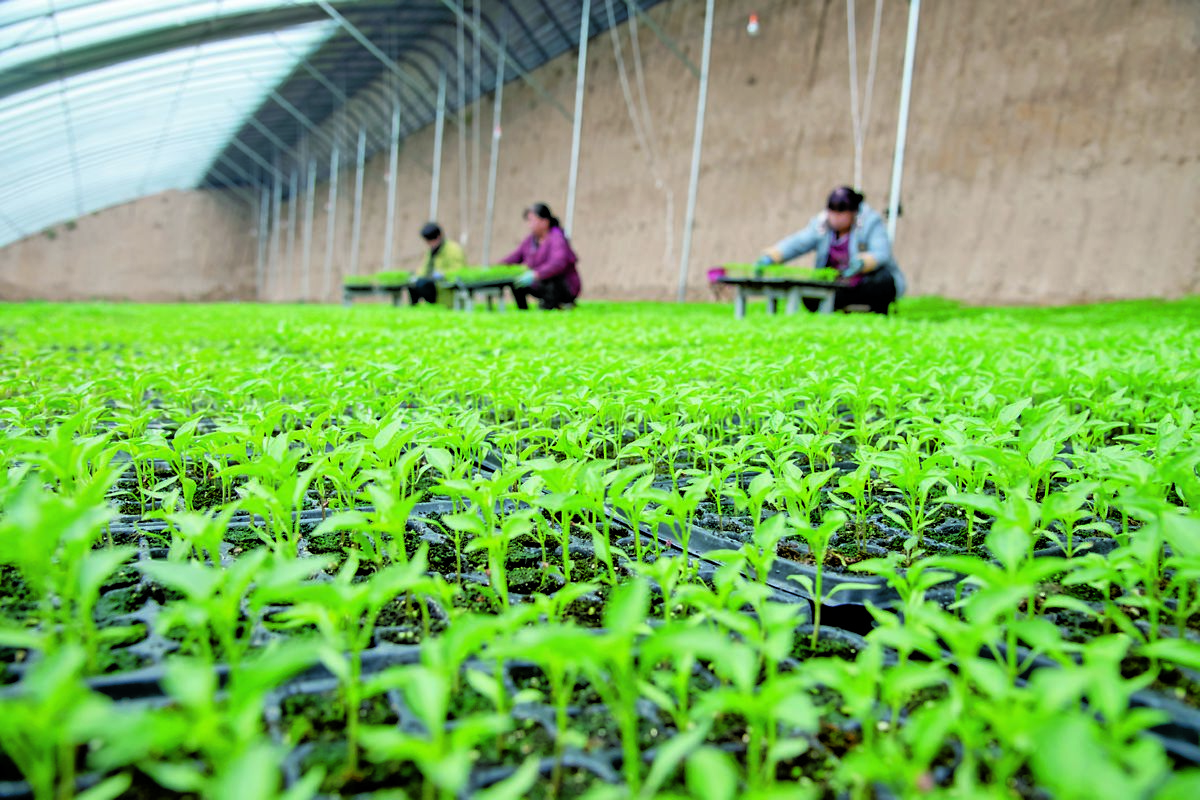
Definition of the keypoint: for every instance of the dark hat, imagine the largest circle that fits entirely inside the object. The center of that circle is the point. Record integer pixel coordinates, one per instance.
(431, 231)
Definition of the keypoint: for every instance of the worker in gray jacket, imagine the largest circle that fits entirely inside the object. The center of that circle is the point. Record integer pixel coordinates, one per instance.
(848, 236)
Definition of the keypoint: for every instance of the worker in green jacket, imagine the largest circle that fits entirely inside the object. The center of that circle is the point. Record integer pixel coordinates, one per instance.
(444, 256)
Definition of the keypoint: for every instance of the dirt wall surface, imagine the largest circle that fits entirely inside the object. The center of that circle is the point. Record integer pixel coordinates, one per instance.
(174, 246)
(1054, 156)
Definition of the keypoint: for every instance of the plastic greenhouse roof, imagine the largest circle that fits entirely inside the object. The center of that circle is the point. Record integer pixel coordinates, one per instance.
(105, 101)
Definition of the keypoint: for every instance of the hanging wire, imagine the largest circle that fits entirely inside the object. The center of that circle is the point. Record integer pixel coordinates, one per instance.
(639, 116)
(860, 116)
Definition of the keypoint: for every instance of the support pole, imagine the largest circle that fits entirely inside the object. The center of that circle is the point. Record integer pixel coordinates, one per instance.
(289, 282)
(360, 162)
(576, 130)
(697, 142)
(331, 219)
(439, 133)
(910, 50)
(494, 162)
(310, 199)
(264, 223)
(463, 227)
(389, 224)
(476, 122)
(276, 219)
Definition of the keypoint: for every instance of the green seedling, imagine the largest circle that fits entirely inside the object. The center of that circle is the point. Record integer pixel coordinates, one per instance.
(50, 540)
(49, 720)
(818, 540)
(344, 611)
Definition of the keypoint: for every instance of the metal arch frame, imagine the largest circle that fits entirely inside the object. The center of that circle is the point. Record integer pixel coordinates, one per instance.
(51, 169)
(103, 92)
(411, 62)
(358, 9)
(365, 97)
(56, 199)
(65, 106)
(106, 99)
(153, 42)
(533, 83)
(524, 26)
(290, 126)
(83, 81)
(113, 154)
(170, 37)
(56, 166)
(235, 24)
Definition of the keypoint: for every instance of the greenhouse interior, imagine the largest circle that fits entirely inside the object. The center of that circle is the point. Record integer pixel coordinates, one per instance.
(327, 474)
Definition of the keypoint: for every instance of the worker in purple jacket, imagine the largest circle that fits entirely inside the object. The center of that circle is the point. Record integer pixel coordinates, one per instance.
(551, 275)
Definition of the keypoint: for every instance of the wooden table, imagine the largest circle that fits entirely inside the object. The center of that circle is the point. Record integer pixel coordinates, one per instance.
(790, 290)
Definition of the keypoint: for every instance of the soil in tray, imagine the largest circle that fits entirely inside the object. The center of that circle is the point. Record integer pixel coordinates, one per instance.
(803, 648)
(832, 739)
(127, 575)
(529, 678)
(1170, 681)
(122, 660)
(124, 600)
(588, 611)
(575, 782)
(16, 600)
(243, 539)
(322, 717)
(598, 726)
(527, 737)
(144, 787)
(128, 496)
(402, 621)
(370, 777)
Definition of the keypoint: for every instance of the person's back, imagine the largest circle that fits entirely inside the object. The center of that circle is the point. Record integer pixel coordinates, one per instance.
(850, 237)
(447, 258)
(444, 256)
(551, 276)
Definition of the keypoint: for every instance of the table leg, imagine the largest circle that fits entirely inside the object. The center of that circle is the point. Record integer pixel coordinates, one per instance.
(739, 303)
(826, 305)
(772, 303)
(793, 301)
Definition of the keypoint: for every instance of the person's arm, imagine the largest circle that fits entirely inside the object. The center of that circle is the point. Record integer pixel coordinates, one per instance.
(516, 256)
(878, 250)
(558, 256)
(799, 243)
